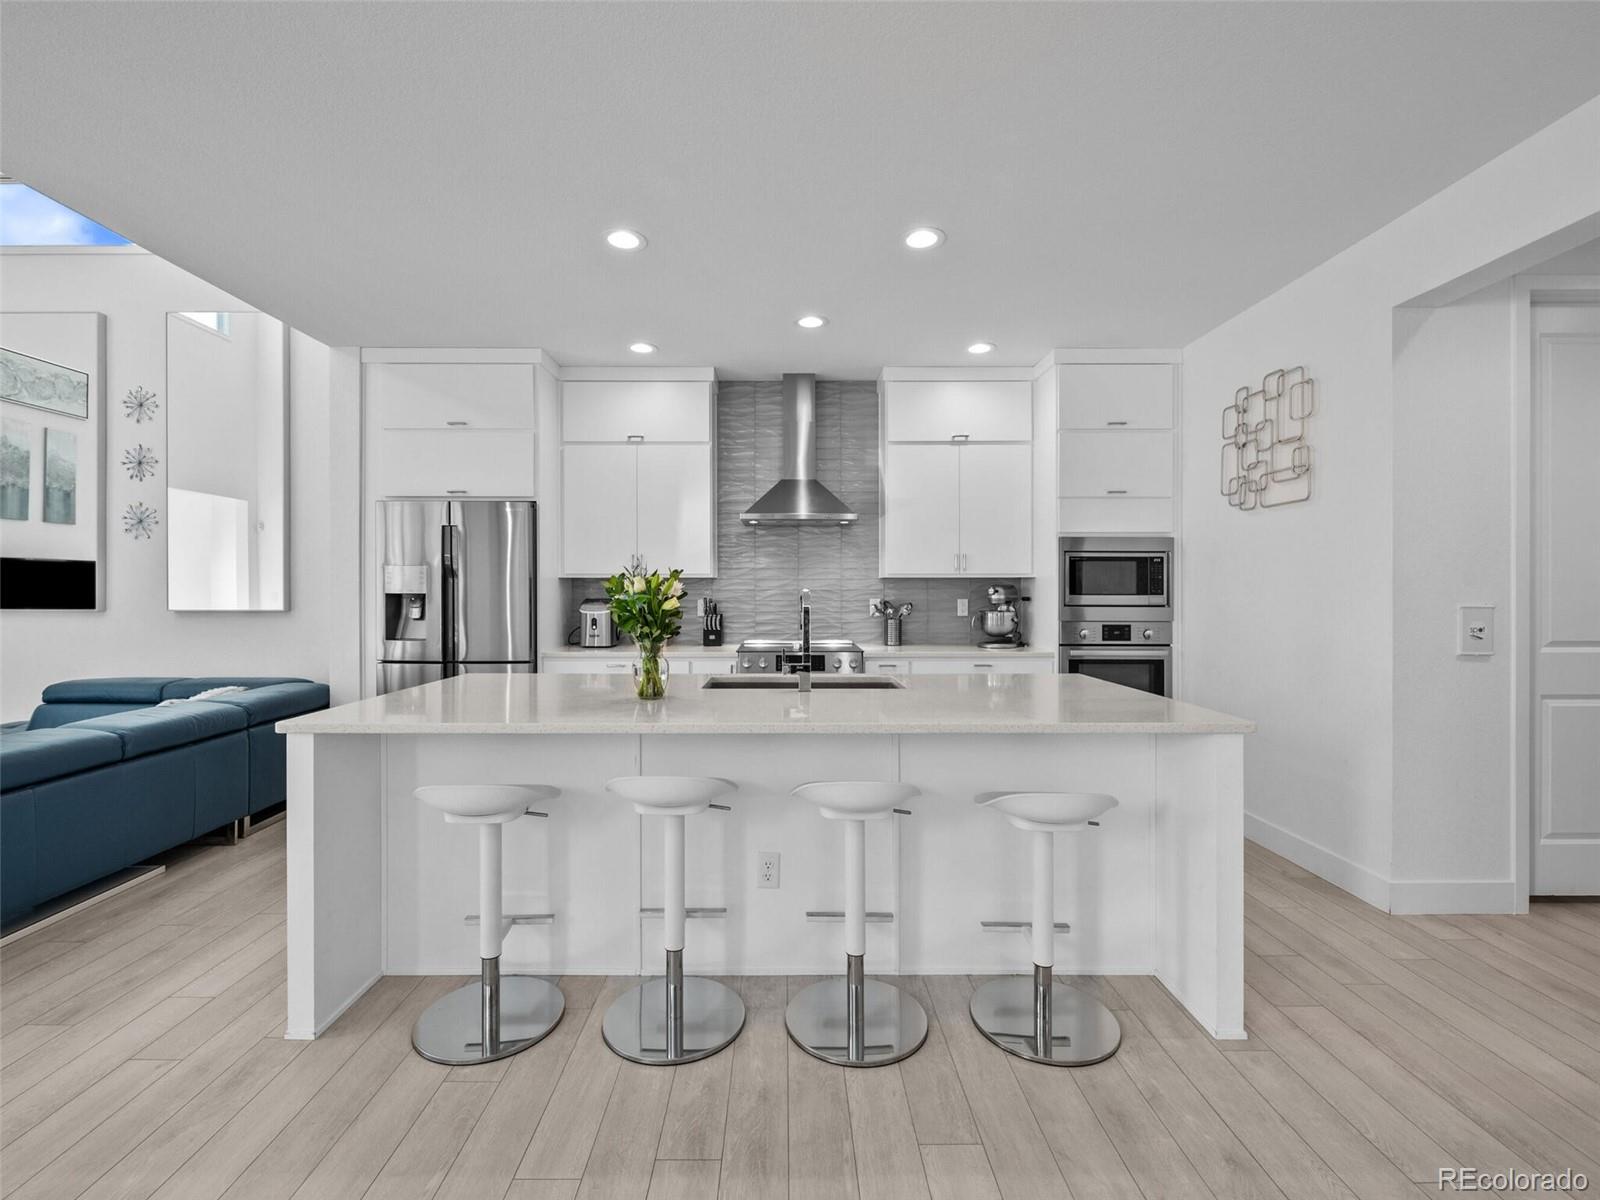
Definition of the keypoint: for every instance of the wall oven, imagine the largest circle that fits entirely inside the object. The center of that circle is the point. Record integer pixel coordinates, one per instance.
(1133, 653)
(1107, 577)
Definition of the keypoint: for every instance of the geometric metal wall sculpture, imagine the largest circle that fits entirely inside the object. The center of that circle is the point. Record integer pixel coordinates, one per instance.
(1266, 457)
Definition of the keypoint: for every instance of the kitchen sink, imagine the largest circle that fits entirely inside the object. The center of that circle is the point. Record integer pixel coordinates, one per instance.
(788, 683)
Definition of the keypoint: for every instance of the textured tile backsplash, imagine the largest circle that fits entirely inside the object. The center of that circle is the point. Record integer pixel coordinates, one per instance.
(761, 570)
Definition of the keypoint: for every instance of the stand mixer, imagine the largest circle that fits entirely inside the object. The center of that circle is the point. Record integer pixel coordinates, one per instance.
(1001, 623)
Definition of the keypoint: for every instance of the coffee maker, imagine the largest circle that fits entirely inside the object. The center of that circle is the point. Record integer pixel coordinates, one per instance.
(999, 626)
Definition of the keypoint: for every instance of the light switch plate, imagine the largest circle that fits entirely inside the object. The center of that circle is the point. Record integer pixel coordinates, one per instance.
(1475, 630)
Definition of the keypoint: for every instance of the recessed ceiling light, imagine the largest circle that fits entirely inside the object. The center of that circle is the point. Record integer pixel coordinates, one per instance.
(924, 237)
(811, 321)
(642, 348)
(625, 239)
(980, 347)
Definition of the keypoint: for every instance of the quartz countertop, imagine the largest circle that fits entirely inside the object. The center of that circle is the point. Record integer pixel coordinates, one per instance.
(568, 704)
(872, 649)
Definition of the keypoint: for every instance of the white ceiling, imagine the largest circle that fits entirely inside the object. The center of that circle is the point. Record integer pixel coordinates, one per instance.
(442, 174)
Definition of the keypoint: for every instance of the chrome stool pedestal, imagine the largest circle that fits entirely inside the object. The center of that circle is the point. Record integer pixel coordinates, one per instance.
(856, 1021)
(495, 1016)
(1038, 1018)
(673, 1018)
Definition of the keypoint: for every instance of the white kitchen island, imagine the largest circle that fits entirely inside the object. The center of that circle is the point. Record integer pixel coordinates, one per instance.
(380, 885)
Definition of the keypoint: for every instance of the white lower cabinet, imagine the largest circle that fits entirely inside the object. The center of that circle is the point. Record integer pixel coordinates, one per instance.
(888, 666)
(603, 663)
(979, 664)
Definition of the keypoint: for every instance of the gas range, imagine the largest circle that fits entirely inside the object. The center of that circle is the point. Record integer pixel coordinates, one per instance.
(782, 656)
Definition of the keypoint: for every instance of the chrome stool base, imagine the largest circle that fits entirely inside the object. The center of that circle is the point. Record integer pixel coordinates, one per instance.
(1044, 1021)
(451, 1030)
(640, 1024)
(888, 1024)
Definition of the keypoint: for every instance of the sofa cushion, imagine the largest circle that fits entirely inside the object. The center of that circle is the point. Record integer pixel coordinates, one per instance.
(180, 689)
(146, 730)
(50, 716)
(278, 701)
(31, 755)
(130, 689)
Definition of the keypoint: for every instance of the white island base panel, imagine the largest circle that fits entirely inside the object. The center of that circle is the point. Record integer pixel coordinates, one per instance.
(380, 885)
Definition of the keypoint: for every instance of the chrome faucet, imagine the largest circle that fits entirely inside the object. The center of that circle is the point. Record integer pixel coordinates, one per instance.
(803, 668)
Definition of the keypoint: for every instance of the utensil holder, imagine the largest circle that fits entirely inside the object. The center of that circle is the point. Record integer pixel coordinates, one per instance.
(891, 631)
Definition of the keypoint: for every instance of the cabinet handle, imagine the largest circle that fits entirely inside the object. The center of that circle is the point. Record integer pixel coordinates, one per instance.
(636, 437)
(983, 666)
(1116, 491)
(963, 562)
(959, 437)
(1116, 422)
(457, 422)
(455, 491)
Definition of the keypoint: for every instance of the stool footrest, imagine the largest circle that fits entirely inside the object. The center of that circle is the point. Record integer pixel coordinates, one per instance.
(833, 914)
(690, 913)
(515, 919)
(1061, 926)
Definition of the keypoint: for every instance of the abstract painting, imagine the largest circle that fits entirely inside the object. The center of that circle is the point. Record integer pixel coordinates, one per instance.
(16, 465)
(41, 384)
(60, 477)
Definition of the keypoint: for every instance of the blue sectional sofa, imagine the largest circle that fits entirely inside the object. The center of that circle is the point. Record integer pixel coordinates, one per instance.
(102, 776)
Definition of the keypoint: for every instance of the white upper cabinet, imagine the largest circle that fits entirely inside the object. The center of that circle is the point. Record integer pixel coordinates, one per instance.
(638, 475)
(996, 500)
(1115, 463)
(921, 509)
(636, 410)
(451, 395)
(675, 498)
(466, 462)
(978, 410)
(1117, 395)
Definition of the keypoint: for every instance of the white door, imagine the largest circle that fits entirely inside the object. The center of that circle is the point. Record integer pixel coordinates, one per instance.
(599, 508)
(997, 509)
(921, 509)
(1566, 600)
(676, 509)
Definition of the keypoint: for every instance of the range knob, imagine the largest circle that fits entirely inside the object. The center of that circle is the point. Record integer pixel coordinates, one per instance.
(838, 663)
(1148, 635)
(1083, 635)
(746, 662)
(762, 662)
(846, 665)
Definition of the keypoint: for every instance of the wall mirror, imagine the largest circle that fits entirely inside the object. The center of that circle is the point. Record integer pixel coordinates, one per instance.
(227, 462)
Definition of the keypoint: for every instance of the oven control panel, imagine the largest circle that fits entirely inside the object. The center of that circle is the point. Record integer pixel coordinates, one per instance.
(1116, 633)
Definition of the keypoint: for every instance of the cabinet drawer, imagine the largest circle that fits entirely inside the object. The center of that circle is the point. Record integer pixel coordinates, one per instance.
(980, 410)
(600, 664)
(456, 462)
(1117, 396)
(451, 395)
(992, 664)
(888, 666)
(617, 411)
(1115, 463)
(702, 666)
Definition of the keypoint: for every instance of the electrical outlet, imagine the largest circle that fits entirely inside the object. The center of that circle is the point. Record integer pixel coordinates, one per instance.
(766, 868)
(961, 607)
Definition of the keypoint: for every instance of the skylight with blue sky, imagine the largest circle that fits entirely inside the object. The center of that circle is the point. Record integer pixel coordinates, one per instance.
(29, 218)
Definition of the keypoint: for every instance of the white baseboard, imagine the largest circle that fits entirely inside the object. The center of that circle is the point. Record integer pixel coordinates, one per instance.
(1336, 869)
(1422, 896)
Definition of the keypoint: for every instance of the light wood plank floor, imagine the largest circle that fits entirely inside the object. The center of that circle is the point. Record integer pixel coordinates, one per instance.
(141, 1056)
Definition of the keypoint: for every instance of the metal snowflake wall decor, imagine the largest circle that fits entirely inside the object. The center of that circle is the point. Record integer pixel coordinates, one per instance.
(140, 463)
(140, 405)
(1266, 455)
(140, 521)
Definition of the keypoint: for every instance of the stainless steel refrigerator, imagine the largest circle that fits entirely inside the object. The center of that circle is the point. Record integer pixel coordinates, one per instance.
(457, 589)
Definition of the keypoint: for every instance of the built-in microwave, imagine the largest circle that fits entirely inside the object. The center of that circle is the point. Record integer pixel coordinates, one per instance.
(1105, 577)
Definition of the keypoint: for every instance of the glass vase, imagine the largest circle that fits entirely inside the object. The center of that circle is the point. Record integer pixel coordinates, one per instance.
(650, 672)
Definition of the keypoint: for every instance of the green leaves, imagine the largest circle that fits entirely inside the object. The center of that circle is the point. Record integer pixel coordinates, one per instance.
(646, 605)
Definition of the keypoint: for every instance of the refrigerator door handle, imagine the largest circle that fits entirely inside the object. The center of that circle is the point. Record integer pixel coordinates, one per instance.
(449, 594)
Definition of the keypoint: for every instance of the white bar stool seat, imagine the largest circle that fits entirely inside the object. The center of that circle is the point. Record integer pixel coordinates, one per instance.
(672, 1019)
(495, 1016)
(854, 1021)
(1041, 1019)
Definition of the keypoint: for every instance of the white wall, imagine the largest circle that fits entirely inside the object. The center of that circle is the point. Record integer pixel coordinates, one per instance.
(136, 634)
(1290, 613)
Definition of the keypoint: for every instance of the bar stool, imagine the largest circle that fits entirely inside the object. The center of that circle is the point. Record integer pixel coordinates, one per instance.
(1040, 1019)
(855, 1021)
(495, 1016)
(664, 1021)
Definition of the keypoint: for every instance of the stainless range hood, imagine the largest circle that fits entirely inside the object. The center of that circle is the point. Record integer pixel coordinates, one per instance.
(797, 498)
